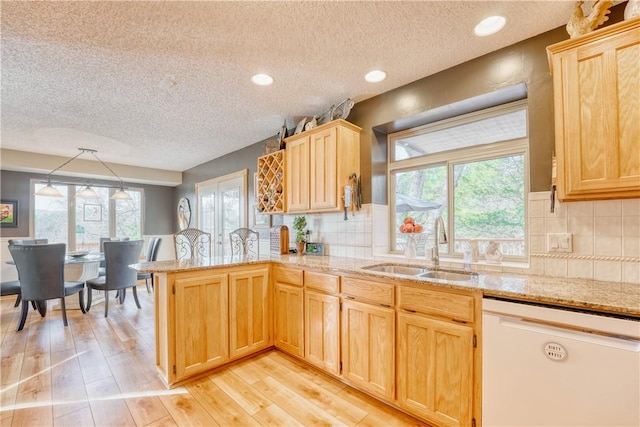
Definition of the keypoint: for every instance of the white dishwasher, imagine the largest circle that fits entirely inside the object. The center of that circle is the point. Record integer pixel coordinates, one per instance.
(552, 367)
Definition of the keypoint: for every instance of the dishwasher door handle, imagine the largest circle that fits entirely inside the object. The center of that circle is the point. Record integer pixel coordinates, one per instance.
(593, 337)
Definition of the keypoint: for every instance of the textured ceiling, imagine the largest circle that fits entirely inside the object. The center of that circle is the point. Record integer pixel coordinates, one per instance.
(167, 84)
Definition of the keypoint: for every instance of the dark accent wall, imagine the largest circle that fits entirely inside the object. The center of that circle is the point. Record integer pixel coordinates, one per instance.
(522, 62)
(158, 216)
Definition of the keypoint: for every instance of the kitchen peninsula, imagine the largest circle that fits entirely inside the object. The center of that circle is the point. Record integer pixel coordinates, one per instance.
(350, 322)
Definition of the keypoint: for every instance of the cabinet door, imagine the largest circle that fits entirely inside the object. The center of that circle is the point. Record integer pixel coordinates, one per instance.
(322, 331)
(249, 311)
(200, 324)
(435, 369)
(297, 175)
(597, 103)
(288, 306)
(368, 347)
(323, 181)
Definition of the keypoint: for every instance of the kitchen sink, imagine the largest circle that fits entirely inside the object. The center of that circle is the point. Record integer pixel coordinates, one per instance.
(404, 270)
(449, 275)
(423, 272)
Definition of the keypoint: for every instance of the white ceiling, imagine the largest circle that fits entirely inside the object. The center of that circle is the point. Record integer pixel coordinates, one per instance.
(167, 84)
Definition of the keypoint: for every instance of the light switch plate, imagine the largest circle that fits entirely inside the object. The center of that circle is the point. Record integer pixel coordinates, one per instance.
(560, 242)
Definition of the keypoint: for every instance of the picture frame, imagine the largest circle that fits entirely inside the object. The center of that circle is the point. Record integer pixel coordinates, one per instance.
(260, 220)
(300, 126)
(9, 213)
(92, 212)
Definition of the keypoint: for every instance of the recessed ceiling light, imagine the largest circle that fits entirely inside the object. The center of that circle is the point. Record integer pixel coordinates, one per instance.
(262, 79)
(375, 76)
(489, 26)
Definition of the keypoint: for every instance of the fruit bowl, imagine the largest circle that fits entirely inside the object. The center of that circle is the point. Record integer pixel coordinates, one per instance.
(409, 226)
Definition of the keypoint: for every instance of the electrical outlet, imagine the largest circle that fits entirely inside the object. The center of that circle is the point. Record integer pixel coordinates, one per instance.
(560, 242)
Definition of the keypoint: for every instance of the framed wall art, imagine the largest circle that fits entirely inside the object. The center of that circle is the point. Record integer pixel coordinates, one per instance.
(9, 213)
(92, 213)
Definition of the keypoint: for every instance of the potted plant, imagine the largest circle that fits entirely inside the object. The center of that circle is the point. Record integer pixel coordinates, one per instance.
(300, 224)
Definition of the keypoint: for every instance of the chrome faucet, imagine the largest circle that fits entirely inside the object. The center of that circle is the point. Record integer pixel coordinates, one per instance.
(440, 236)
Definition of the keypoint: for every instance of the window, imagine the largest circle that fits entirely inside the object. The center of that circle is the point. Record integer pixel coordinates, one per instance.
(80, 222)
(472, 171)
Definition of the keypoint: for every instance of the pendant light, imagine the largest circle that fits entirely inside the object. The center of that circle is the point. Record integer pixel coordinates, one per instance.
(87, 191)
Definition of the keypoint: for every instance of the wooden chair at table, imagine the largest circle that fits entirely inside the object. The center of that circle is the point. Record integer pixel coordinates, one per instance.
(152, 255)
(244, 241)
(41, 273)
(12, 287)
(192, 243)
(119, 276)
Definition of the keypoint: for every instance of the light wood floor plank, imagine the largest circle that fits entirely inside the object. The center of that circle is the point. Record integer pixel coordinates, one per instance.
(146, 410)
(313, 375)
(249, 371)
(275, 416)
(79, 418)
(34, 416)
(67, 384)
(187, 411)
(379, 414)
(107, 405)
(242, 393)
(294, 405)
(167, 421)
(219, 404)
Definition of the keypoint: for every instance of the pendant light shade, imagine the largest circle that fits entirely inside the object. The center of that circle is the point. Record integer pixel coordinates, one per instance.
(49, 190)
(87, 192)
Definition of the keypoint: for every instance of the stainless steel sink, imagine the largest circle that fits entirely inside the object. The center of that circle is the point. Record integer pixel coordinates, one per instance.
(415, 271)
(404, 270)
(449, 275)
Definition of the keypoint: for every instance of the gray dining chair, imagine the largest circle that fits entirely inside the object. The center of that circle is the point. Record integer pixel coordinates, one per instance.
(41, 273)
(118, 276)
(12, 287)
(101, 268)
(192, 243)
(244, 241)
(152, 255)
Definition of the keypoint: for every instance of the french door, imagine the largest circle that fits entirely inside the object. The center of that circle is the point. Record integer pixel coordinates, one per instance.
(222, 208)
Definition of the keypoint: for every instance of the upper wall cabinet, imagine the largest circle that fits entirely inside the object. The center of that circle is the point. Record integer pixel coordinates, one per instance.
(318, 165)
(596, 83)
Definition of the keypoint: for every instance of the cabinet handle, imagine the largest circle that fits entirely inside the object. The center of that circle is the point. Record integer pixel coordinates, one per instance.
(349, 297)
(385, 305)
(409, 311)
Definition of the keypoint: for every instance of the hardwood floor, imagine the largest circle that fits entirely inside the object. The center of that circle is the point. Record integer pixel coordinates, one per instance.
(102, 372)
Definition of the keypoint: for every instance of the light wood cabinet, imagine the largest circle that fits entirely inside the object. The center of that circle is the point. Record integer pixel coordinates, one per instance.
(596, 82)
(319, 163)
(200, 324)
(435, 369)
(368, 347)
(322, 320)
(438, 357)
(289, 311)
(250, 316)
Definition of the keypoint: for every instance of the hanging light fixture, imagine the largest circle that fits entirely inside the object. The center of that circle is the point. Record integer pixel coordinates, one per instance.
(87, 191)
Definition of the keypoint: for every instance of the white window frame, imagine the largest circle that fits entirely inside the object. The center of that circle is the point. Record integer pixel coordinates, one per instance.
(452, 158)
(71, 207)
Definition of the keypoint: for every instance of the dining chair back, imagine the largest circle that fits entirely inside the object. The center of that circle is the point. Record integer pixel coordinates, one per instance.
(192, 243)
(152, 255)
(244, 241)
(101, 269)
(41, 272)
(12, 287)
(118, 276)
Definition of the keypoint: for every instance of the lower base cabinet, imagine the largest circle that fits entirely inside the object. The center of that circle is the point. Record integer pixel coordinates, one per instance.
(368, 347)
(435, 369)
(250, 317)
(200, 324)
(322, 330)
(288, 309)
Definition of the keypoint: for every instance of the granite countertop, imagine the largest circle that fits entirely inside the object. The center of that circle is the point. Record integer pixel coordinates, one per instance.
(608, 297)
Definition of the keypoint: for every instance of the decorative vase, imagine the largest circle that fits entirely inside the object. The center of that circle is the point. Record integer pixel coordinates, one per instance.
(632, 9)
(300, 246)
(410, 248)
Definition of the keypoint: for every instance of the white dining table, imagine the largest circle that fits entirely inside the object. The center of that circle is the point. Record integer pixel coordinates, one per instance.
(81, 269)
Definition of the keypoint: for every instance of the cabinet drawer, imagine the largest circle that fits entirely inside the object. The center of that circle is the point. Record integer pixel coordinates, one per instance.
(292, 276)
(429, 301)
(368, 290)
(322, 282)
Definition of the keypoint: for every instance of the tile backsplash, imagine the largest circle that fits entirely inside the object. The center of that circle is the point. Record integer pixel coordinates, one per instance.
(606, 237)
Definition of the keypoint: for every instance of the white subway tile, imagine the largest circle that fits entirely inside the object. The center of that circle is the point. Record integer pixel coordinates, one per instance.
(555, 267)
(555, 225)
(631, 207)
(581, 225)
(608, 226)
(579, 268)
(631, 272)
(607, 208)
(580, 209)
(536, 227)
(537, 244)
(536, 209)
(583, 245)
(631, 247)
(608, 246)
(608, 270)
(536, 265)
(630, 225)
